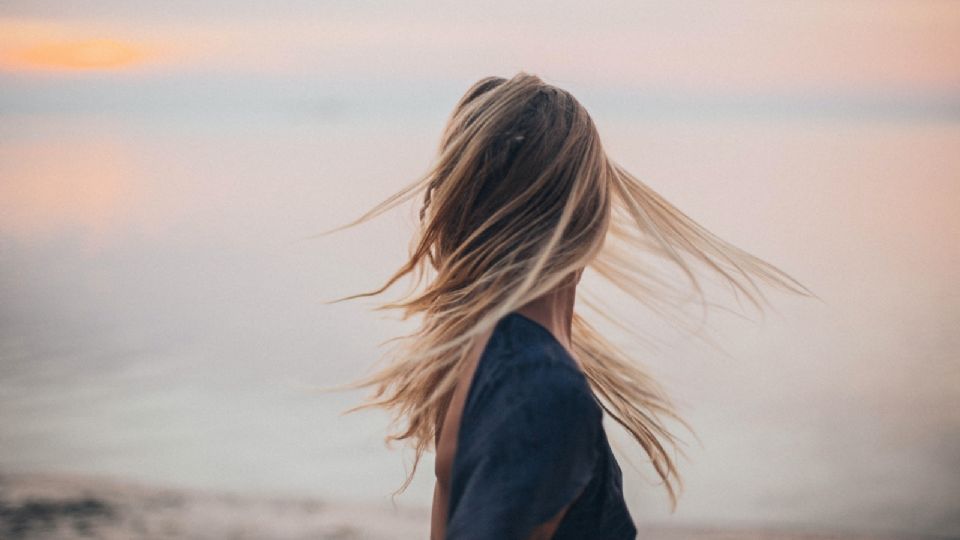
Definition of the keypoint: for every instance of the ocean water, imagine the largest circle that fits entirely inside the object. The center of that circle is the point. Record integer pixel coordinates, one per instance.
(162, 313)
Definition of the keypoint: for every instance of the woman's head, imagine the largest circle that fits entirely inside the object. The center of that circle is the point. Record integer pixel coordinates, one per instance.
(520, 168)
(521, 199)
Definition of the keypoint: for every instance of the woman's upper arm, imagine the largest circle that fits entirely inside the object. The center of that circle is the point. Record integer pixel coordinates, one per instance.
(545, 531)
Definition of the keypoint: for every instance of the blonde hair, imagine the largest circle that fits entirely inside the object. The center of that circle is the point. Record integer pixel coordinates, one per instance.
(521, 196)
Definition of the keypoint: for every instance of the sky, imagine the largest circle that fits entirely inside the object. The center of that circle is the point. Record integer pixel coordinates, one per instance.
(900, 50)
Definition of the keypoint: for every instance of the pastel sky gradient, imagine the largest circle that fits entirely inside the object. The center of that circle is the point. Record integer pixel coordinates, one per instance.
(702, 47)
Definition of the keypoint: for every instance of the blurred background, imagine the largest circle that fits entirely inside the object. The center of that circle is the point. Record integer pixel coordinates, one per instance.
(161, 320)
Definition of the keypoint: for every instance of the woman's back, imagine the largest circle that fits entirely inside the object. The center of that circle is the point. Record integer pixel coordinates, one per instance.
(530, 443)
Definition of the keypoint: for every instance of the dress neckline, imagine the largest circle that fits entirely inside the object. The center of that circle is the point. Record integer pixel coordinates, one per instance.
(543, 329)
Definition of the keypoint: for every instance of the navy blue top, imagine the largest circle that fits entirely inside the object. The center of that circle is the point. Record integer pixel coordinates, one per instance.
(530, 442)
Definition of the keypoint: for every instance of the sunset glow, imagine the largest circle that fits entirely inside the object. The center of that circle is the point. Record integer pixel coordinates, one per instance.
(82, 55)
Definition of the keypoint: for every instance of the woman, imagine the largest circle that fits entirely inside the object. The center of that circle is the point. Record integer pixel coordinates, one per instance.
(504, 379)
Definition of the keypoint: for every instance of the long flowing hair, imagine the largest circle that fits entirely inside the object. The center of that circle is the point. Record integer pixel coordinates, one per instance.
(520, 196)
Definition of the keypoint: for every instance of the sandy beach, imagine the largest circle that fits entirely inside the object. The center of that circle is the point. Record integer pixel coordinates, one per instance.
(67, 506)
(60, 506)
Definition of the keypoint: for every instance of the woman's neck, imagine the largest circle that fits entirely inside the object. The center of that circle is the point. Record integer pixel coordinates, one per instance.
(554, 311)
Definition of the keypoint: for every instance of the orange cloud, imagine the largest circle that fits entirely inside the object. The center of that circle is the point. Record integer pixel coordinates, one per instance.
(87, 54)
